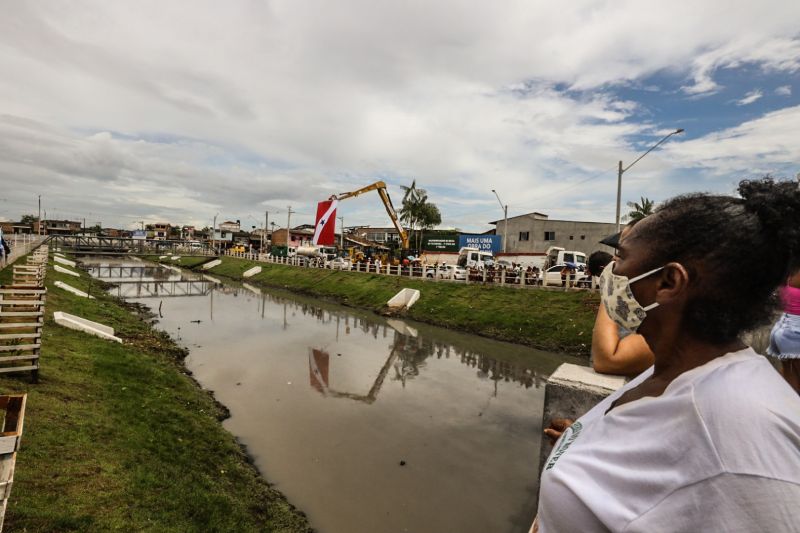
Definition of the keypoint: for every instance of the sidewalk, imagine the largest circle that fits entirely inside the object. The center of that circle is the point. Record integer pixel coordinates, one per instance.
(20, 246)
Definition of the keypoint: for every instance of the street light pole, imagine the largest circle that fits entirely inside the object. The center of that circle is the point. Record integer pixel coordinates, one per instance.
(505, 223)
(341, 237)
(214, 233)
(621, 170)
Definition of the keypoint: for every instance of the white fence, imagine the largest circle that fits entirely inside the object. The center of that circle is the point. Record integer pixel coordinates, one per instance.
(20, 245)
(486, 276)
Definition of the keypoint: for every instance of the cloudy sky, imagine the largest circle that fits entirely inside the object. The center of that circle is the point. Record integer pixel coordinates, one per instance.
(150, 110)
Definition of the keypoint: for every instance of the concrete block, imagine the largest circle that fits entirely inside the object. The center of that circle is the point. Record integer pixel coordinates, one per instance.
(212, 264)
(175, 269)
(87, 326)
(402, 327)
(67, 262)
(212, 279)
(73, 290)
(175, 257)
(403, 299)
(163, 256)
(251, 288)
(570, 392)
(66, 271)
(252, 272)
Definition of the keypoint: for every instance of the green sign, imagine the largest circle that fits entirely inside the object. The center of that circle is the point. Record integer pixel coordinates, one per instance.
(440, 243)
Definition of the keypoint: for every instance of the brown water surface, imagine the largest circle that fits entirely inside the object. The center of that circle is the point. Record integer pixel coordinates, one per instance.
(366, 424)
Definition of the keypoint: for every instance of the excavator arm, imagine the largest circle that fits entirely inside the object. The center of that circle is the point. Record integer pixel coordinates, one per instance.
(387, 203)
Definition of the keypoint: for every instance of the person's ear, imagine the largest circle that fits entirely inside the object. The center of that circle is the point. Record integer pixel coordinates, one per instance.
(674, 283)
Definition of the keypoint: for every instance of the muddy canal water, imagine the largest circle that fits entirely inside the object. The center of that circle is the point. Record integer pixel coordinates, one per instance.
(367, 424)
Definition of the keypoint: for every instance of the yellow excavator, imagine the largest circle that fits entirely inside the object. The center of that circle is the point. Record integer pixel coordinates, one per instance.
(387, 203)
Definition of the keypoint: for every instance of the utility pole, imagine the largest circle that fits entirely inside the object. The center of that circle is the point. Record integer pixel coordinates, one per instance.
(505, 223)
(40, 214)
(341, 237)
(288, 225)
(621, 170)
(266, 229)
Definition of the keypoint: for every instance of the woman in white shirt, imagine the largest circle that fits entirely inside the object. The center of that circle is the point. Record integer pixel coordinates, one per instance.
(708, 439)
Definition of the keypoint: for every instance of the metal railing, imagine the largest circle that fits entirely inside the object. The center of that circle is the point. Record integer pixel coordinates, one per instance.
(486, 276)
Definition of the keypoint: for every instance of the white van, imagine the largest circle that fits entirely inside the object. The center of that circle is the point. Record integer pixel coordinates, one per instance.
(474, 258)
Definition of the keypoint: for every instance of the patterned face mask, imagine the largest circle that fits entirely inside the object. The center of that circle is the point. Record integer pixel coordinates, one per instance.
(618, 299)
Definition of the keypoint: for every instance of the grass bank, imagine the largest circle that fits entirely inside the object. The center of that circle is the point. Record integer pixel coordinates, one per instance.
(118, 437)
(545, 319)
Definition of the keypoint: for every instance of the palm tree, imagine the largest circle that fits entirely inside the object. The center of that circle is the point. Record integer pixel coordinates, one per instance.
(417, 212)
(640, 210)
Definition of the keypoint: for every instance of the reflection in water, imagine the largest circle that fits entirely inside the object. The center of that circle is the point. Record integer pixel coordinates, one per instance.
(402, 426)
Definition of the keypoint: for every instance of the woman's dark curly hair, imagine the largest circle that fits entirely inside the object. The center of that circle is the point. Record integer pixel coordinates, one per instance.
(736, 250)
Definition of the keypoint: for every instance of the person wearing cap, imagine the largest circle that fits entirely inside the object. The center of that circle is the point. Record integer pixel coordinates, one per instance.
(615, 350)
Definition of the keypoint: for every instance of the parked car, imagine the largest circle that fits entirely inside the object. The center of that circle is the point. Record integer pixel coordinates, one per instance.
(340, 263)
(552, 277)
(446, 272)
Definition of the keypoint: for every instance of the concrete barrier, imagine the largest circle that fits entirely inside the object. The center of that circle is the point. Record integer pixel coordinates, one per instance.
(212, 264)
(252, 272)
(251, 288)
(403, 299)
(212, 279)
(73, 290)
(163, 256)
(175, 257)
(87, 326)
(66, 271)
(67, 262)
(570, 392)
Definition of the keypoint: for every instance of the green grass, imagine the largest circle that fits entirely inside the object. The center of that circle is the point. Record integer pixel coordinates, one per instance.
(546, 319)
(117, 437)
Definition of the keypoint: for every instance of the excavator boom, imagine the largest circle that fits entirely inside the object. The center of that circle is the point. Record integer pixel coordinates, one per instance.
(387, 203)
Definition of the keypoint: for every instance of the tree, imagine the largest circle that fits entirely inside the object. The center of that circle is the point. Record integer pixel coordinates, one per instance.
(417, 212)
(640, 210)
(28, 219)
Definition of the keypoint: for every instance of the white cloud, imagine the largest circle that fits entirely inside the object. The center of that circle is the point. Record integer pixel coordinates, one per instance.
(760, 146)
(784, 90)
(195, 107)
(750, 97)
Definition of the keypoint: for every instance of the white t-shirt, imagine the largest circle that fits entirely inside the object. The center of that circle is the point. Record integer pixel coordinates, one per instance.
(719, 450)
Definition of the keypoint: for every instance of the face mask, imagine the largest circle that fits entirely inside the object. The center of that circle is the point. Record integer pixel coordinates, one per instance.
(618, 299)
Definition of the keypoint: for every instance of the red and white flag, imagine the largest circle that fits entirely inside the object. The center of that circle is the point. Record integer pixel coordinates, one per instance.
(318, 369)
(325, 228)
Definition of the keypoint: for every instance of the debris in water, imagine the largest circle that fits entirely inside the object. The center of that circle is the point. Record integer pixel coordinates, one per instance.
(195, 321)
(239, 383)
(288, 382)
(402, 463)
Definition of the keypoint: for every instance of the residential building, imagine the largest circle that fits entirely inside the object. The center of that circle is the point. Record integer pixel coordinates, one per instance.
(161, 231)
(16, 227)
(298, 237)
(228, 225)
(379, 235)
(536, 232)
(56, 227)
